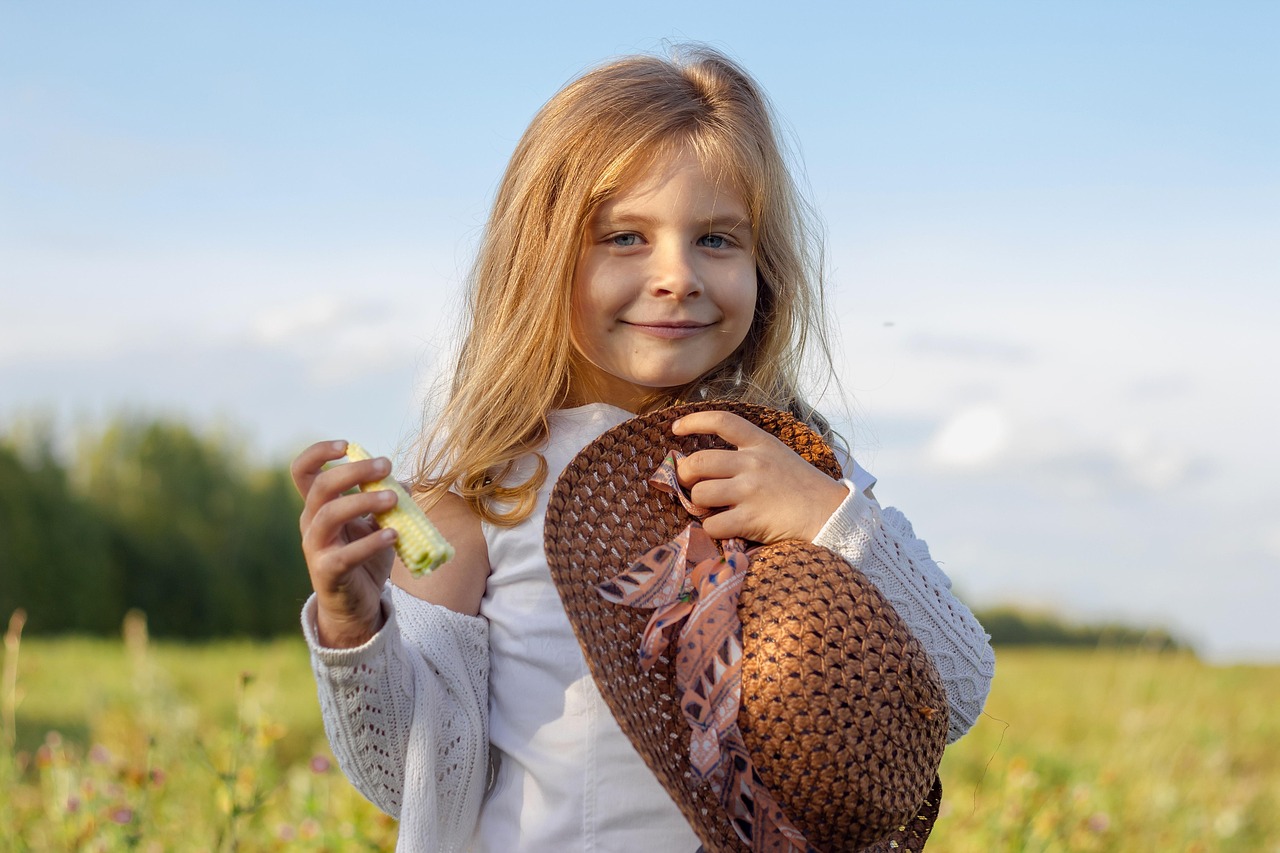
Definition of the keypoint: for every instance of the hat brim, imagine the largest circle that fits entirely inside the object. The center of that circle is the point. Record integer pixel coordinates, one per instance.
(841, 710)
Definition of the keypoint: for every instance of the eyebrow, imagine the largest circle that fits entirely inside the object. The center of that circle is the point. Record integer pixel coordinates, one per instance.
(720, 222)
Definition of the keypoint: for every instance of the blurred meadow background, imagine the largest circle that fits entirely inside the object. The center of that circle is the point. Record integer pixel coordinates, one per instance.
(1053, 252)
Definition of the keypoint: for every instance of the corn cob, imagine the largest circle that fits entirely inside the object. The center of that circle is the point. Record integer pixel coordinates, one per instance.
(421, 547)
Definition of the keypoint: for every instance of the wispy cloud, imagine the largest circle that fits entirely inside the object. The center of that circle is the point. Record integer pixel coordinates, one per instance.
(338, 339)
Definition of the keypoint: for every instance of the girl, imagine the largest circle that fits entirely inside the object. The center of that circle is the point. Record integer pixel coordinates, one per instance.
(646, 247)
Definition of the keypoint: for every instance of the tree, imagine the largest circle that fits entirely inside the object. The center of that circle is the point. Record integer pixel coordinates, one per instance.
(54, 555)
(151, 515)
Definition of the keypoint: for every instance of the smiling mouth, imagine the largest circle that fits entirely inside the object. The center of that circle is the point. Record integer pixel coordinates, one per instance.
(670, 331)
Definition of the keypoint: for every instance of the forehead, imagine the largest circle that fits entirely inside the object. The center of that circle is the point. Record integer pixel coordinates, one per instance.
(677, 178)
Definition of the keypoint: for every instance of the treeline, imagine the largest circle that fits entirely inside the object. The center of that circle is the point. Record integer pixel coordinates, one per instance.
(148, 514)
(1015, 627)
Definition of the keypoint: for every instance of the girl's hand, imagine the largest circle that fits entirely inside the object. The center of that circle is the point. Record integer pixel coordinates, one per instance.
(348, 557)
(766, 490)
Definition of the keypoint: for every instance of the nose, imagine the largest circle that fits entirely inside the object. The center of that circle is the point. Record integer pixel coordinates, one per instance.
(674, 272)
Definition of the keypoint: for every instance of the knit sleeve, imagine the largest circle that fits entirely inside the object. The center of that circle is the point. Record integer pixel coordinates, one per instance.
(406, 715)
(882, 544)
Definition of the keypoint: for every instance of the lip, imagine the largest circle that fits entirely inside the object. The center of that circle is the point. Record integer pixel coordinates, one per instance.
(670, 330)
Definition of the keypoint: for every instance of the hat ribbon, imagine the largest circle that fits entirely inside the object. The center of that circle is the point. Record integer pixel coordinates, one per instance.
(708, 662)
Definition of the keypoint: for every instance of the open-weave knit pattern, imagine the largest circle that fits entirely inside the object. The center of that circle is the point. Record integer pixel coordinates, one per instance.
(842, 711)
(407, 716)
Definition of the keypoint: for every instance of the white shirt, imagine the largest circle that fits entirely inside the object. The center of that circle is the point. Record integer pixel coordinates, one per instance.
(569, 779)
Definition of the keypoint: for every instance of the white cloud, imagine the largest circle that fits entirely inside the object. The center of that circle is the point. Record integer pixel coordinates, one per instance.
(338, 340)
(1148, 463)
(1270, 541)
(65, 302)
(970, 438)
(284, 324)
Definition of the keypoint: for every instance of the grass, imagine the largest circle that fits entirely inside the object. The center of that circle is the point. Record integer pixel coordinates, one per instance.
(174, 747)
(156, 746)
(1118, 750)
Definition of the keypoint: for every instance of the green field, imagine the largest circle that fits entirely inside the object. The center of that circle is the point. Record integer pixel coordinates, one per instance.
(168, 747)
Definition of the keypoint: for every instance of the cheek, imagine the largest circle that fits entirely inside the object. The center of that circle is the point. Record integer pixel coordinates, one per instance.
(585, 312)
(589, 318)
(588, 280)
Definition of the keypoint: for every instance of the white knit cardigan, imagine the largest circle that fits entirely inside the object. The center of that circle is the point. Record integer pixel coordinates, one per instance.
(407, 713)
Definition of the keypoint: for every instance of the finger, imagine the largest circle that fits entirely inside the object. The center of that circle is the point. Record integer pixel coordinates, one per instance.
(339, 479)
(715, 493)
(330, 519)
(732, 428)
(336, 479)
(310, 462)
(343, 559)
(728, 524)
(707, 465)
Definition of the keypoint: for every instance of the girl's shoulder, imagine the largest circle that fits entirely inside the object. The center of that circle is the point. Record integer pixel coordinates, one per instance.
(459, 584)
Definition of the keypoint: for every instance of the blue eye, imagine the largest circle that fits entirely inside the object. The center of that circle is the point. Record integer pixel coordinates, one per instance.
(713, 241)
(624, 240)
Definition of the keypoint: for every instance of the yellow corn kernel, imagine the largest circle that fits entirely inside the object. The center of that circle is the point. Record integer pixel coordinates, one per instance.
(421, 547)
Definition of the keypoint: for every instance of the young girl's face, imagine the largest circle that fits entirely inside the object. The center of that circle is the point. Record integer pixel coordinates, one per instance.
(665, 286)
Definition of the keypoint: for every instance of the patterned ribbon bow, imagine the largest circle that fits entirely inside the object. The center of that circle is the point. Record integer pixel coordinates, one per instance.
(708, 660)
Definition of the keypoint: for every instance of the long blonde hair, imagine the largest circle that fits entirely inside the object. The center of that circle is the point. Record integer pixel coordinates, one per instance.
(597, 134)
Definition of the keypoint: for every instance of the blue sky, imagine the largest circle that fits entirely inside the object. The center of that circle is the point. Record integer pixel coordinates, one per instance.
(1052, 243)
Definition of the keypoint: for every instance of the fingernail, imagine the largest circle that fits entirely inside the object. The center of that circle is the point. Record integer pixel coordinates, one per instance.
(382, 466)
(675, 424)
(340, 446)
(388, 534)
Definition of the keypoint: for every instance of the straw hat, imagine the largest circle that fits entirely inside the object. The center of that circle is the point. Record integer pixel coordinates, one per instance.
(841, 712)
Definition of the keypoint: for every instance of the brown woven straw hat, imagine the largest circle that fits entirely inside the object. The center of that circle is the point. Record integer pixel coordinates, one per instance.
(841, 712)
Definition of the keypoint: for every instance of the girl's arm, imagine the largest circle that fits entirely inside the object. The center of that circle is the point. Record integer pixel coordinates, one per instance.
(406, 715)
(769, 493)
(459, 584)
(402, 681)
(883, 546)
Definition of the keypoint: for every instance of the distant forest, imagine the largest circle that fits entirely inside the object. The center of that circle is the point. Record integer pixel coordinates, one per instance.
(150, 514)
